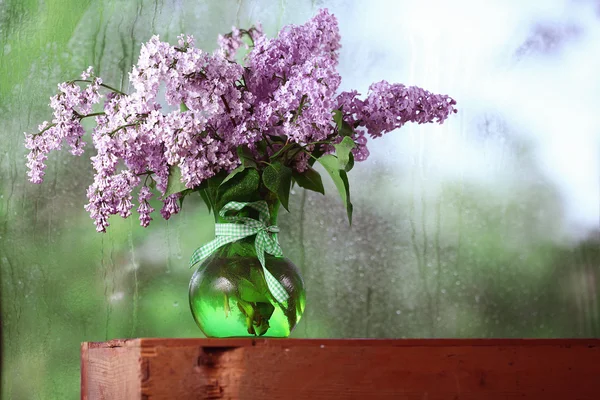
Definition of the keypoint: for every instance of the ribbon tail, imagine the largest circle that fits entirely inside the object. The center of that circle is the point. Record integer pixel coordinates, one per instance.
(272, 246)
(275, 287)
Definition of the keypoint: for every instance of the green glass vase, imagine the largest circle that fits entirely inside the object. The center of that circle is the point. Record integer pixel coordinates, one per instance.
(229, 296)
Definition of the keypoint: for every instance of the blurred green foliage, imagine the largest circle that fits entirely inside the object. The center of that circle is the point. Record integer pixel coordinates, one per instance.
(424, 259)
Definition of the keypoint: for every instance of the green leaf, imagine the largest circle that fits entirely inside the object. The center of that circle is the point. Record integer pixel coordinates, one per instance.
(340, 178)
(232, 174)
(338, 118)
(343, 152)
(261, 146)
(278, 179)
(183, 107)
(282, 150)
(246, 309)
(262, 313)
(278, 139)
(183, 194)
(246, 157)
(241, 187)
(350, 164)
(207, 199)
(349, 206)
(344, 128)
(210, 188)
(316, 154)
(291, 154)
(309, 179)
(213, 183)
(174, 184)
(249, 292)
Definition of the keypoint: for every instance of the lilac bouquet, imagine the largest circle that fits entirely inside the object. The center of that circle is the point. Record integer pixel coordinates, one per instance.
(202, 122)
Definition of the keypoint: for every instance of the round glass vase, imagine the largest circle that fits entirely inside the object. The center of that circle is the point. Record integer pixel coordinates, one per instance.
(229, 296)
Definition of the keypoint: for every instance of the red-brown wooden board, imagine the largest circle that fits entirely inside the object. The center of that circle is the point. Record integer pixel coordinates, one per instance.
(318, 369)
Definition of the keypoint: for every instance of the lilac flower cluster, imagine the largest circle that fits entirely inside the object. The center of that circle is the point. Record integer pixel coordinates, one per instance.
(388, 107)
(70, 106)
(283, 97)
(294, 80)
(231, 42)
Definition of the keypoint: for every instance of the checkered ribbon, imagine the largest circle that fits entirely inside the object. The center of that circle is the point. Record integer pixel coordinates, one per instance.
(241, 227)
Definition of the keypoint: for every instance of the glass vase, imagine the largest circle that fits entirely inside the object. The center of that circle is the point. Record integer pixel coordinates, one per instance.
(229, 296)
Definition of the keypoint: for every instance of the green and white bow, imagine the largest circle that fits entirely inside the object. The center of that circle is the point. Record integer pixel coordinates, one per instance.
(241, 227)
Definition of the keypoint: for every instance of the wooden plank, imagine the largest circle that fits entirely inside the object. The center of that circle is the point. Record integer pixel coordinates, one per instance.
(433, 369)
(110, 370)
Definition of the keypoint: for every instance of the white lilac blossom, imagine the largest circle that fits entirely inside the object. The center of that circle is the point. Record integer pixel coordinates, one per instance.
(280, 102)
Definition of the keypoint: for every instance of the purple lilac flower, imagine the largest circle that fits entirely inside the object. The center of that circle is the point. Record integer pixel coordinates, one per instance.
(230, 43)
(388, 107)
(39, 148)
(293, 78)
(170, 206)
(123, 185)
(70, 105)
(145, 209)
(286, 93)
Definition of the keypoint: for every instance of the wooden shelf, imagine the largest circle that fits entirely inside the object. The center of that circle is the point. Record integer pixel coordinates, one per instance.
(470, 369)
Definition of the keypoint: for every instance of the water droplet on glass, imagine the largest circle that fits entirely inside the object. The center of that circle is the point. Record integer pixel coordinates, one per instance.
(117, 296)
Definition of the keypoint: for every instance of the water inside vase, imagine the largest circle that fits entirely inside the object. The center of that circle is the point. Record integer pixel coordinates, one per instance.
(229, 297)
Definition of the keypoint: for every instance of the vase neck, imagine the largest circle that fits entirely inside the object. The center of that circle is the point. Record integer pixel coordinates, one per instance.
(250, 212)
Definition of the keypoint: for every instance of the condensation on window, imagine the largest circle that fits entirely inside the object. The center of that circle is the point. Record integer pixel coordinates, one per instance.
(486, 226)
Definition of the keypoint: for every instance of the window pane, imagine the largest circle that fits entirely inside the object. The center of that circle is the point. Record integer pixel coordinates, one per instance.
(486, 226)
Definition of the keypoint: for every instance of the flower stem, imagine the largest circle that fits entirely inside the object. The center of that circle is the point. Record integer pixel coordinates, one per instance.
(267, 141)
(92, 115)
(78, 116)
(308, 152)
(300, 107)
(228, 110)
(44, 130)
(102, 84)
(319, 142)
(283, 149)
(121, 127)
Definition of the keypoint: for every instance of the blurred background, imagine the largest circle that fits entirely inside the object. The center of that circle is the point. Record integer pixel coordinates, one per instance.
(487, 226)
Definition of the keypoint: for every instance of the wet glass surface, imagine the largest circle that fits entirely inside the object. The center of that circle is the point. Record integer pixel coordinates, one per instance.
(486, 226)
